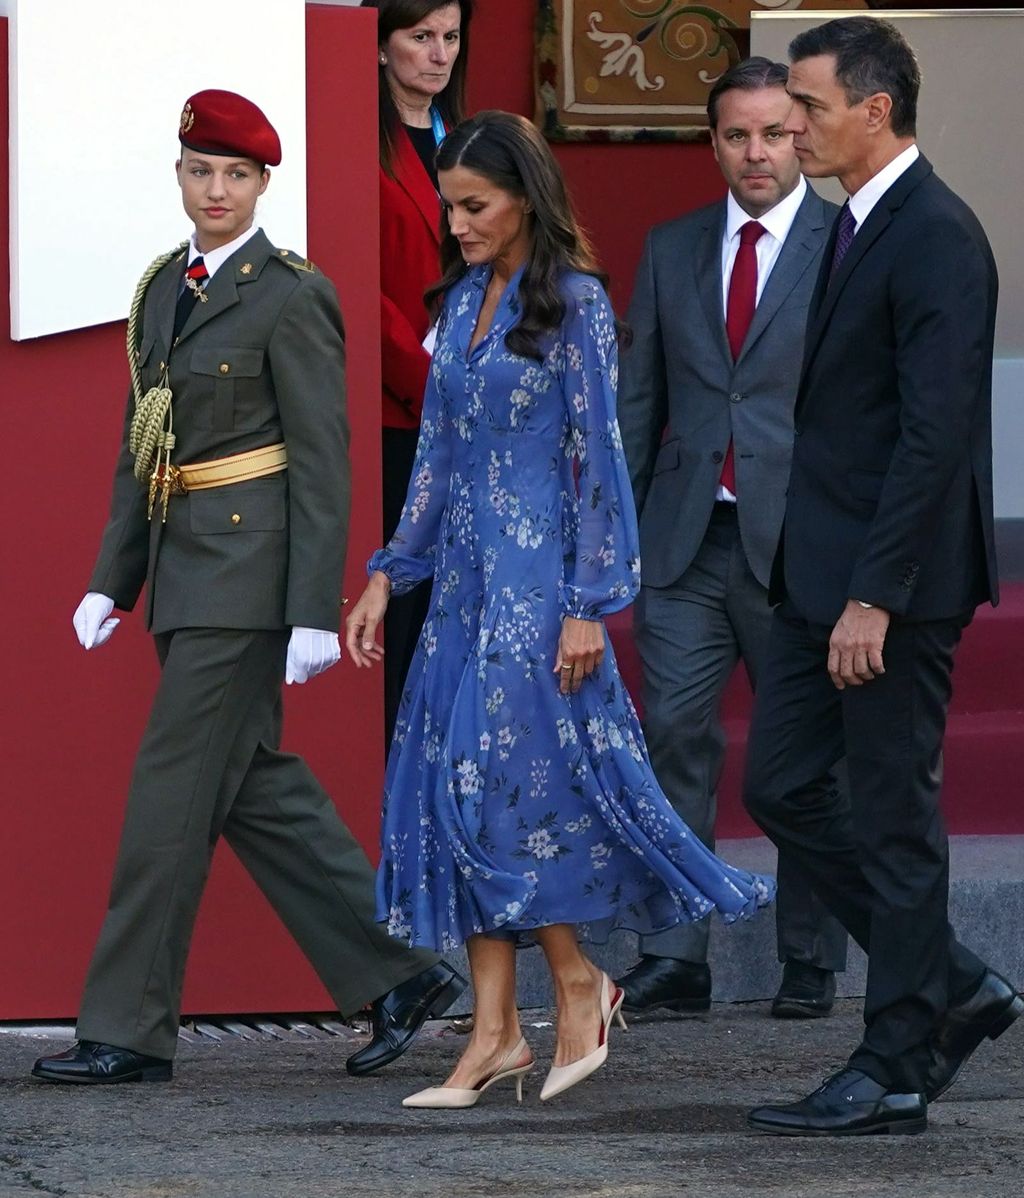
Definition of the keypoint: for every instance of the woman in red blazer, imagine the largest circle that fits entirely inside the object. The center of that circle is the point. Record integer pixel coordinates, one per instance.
(422, 54)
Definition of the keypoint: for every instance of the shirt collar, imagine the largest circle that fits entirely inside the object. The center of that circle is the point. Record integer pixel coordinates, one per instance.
(777, 221)
(862, 201)
(216, 258)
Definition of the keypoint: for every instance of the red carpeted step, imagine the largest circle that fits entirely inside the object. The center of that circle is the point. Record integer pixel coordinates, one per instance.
(982, 792)
(984, 744)
(987, 677)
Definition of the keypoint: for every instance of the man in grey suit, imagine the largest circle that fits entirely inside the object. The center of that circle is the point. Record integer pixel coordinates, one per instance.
(706, 396)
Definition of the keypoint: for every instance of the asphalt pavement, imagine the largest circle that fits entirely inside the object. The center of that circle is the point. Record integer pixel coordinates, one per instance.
(665, 1117)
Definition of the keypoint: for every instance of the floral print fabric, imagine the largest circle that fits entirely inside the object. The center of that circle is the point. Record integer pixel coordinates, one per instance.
(509, 806)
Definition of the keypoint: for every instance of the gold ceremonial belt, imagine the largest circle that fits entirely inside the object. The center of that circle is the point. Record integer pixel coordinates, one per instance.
(240, 467)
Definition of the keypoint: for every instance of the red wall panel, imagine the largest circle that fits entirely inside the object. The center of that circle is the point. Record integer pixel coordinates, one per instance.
(71, 720)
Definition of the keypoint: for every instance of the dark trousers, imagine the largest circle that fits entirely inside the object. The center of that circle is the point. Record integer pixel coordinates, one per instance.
(690, 637)
(209, 765)
(878, 857)
(406, 613)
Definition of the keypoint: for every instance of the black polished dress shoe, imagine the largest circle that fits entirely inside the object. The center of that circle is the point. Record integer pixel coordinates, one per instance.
(92, 1064)
(849, 1104)
(396, 1017)
(664, 982)
(806, 992)
(985, 1015)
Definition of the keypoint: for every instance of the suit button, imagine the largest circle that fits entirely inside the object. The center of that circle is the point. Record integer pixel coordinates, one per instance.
(224, 368)
(717, 456)
(236, 519)
(735, 397)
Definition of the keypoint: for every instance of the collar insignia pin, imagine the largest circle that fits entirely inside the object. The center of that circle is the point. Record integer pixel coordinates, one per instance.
(246, 269)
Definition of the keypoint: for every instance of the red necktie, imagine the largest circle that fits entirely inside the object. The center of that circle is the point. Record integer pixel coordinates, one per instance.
(739, 312)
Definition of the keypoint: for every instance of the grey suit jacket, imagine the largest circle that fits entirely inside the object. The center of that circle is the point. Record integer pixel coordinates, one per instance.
(262, 361)
(681, 396)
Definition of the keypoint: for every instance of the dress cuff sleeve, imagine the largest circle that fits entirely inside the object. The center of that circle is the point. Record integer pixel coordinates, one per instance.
(404, 573)
(584, 603)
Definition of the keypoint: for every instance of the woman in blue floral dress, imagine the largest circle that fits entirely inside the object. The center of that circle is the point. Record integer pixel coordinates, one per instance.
(519, 799)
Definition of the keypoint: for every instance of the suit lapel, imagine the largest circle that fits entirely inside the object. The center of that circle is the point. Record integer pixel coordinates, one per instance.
(828, 291)
(164, 292)
(707, 266)
(796, 254)
(411, 175)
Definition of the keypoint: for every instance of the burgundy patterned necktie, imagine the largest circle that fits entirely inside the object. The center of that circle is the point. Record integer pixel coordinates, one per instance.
(844, 238)
(739, 312)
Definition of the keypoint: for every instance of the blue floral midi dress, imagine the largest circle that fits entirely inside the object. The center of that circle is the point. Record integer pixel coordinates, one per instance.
(508, 805)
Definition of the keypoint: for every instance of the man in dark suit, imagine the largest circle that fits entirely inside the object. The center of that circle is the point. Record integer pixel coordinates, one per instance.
(886, 550)
(706, 393)
(240, 542)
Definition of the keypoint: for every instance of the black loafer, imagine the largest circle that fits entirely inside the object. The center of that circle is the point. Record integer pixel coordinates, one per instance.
(806, 992)
(396, 1017)
(849, 1104)
(92, 1064)
(985, 1015)
(664, 982)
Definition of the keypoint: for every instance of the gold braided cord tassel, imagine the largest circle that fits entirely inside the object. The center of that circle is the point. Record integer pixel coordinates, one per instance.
(152, 409)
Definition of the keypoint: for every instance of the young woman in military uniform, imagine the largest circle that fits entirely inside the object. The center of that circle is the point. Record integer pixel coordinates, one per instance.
(230, 505)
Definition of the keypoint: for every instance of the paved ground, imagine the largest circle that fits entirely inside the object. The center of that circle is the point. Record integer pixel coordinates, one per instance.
(664, 1118)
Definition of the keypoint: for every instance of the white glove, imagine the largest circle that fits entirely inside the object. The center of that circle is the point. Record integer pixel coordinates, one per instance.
(310, 652)
(91, 622)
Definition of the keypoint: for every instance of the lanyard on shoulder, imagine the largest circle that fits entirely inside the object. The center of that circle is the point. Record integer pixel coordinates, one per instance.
(437, 125)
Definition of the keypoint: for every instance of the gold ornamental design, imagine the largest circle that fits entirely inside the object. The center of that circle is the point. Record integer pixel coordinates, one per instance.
(188, 119)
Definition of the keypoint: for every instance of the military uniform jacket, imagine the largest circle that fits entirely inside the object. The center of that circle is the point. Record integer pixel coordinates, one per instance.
(262, 361)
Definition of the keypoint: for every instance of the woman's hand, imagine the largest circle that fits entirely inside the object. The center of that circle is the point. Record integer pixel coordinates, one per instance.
(361, 622)
(580, 652)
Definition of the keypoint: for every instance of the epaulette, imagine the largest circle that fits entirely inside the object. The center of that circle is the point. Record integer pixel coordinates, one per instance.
(297, 263)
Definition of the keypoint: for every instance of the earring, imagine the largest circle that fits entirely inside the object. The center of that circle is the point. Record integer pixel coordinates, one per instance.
(383, 61)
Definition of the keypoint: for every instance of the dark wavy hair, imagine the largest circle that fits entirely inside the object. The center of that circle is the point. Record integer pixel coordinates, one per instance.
(393, 15)
(508, 151)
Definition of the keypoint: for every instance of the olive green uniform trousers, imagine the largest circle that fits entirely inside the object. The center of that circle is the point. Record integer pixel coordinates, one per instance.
(210, 764)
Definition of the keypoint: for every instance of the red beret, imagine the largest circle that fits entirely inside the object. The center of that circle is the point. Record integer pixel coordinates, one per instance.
(219, 122)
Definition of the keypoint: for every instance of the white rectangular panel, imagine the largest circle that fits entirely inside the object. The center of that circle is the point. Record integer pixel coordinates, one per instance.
(97, 88)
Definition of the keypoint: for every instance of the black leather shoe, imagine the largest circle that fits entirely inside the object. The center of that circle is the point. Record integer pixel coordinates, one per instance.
(93, 1064)
(985, 1015)
(849, 1104)
(664, 982)
(396, 1017)
(806, 992)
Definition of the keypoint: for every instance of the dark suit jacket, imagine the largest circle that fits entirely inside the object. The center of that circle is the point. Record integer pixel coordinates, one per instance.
(410, 261)
(679, 375)
(262, 361)
(890, 497)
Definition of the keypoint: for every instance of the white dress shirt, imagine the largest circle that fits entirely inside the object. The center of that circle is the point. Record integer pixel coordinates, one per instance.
(862, 201)
(216, 258)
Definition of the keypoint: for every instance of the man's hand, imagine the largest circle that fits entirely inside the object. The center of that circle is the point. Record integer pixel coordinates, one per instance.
(91, 620)
(310, 652)
(855, 647)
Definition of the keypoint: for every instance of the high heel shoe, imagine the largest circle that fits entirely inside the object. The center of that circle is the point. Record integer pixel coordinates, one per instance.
(452, 1098)
(562, 1077)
